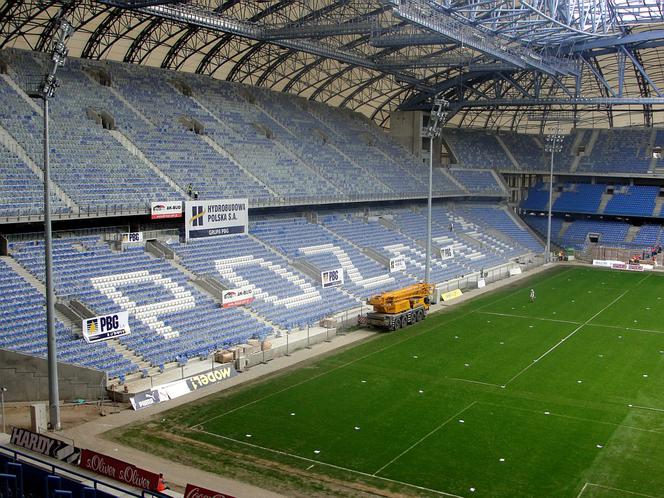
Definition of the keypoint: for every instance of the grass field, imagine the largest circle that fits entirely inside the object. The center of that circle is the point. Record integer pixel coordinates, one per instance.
(499, 397)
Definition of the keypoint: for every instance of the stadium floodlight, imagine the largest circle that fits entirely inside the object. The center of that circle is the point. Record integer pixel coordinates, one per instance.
(47, 91)
(437, 118)
(553, 142)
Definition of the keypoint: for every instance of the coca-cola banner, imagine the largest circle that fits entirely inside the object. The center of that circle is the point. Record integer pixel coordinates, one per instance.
(197, 492)
(119, 470)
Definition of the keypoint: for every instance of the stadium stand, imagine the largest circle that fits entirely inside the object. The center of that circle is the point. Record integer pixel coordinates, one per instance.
(632, 200)
(477, 181)
(170, 319)
(284, 296)
(24, 321)
(583, 198)
(476, 149)
(579, 198)
(298, 238)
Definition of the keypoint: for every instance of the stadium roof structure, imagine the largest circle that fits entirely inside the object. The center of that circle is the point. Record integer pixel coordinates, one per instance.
(496, 61)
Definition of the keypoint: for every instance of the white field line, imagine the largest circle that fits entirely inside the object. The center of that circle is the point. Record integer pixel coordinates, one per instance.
(643, 279)
(424, 437)
(567, 337)
(267, 396)
(583, 489)
(634, 493)
(647, 408)
(529, 317)
(318, 462)
(572, 417)
(618, 327)
(473, 381)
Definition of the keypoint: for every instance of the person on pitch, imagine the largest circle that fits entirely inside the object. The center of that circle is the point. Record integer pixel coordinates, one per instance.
(532, 295)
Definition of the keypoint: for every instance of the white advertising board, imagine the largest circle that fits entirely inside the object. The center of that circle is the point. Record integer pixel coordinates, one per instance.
(398, 263)
(237, 297)
(101, 328)
(481, 283)
(332, 278)
(166, 209)
(216, 218)
(446, 253)
(132, 237)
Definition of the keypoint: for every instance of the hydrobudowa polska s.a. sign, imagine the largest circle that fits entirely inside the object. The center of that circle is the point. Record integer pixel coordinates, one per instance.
(101, 328)
(216, 218)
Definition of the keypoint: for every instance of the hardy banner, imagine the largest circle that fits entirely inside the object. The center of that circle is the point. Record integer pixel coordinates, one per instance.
(45, 445)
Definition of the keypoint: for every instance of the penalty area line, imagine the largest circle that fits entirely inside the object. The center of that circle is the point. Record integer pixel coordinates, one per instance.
(331, 465)
(552, 348)
(610, 488)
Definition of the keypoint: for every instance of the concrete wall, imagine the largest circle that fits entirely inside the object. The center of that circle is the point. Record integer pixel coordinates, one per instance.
(26, 379)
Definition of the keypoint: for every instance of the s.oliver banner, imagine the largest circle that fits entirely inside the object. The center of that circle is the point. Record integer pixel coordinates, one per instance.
(119, 470)
(101, 328)
(167, 209)
(216, 218)
(45, 445)
(192, 491)
(237, 297)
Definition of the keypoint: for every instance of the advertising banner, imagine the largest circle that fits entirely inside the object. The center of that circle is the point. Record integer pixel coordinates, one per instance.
(119, 470)
(515, 271)
(481, 283)
(181, 387)
(45, 445)
(211, 377)
(101, 328)
(332, 278)
(446, 252)
(132, 237)
(167, 209)
(398, 263)
(237, 297)
(216, 218)
(192, 491)
(448, 296)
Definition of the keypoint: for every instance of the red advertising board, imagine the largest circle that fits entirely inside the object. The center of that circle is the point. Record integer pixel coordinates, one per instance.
(119, 470)
(198, 492)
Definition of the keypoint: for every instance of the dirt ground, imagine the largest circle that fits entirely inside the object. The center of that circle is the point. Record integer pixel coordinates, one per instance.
(72, 415)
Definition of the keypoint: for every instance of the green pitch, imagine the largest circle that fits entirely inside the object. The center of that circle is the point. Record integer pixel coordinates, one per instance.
(499, 397)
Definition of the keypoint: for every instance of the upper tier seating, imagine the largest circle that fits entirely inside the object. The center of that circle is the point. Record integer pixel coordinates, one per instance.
(110, 147)
(476, 149)
(478, 181)
(23, 329)
(579, 198)
(284, 296)
(648, 235)
(632, 200)
(169, 318)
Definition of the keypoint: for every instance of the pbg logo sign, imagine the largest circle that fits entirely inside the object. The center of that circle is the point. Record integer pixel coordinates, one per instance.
(101, 328)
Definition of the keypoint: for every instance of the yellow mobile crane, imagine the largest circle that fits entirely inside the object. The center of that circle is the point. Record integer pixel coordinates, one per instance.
(400, 308)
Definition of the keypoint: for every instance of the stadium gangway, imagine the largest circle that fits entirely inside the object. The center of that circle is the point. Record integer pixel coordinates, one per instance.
(68, 473)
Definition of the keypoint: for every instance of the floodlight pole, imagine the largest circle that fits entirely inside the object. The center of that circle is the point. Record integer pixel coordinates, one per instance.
(436, 121)
(47, 91)
(553, 144)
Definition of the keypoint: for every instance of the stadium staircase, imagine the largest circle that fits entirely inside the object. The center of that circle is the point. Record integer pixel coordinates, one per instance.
(511, 157)
(222, 152)
(136, 152)
(603, 202)
(659, 202)
(525, 226)
(631, 234)
(565, 226)
(31, 102)
(453, 180)
(10, 143)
